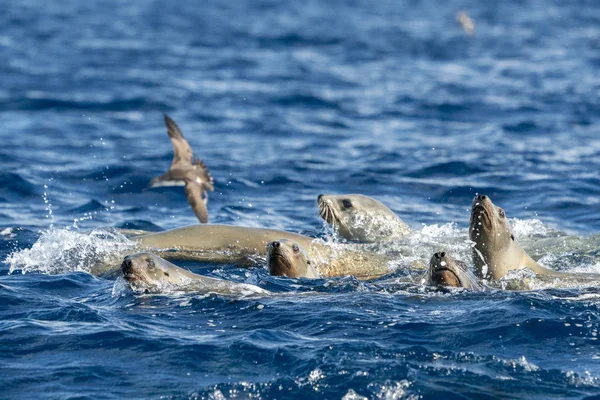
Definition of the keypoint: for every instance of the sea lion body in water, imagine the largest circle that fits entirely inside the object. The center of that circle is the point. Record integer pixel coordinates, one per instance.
(496, 250)
(447, 271)
(186, 171)
(286, 258)
(361, 218)
(147, 272)
(246, 246)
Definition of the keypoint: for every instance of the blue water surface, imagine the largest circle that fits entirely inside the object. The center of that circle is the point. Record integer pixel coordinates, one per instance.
(285, 100)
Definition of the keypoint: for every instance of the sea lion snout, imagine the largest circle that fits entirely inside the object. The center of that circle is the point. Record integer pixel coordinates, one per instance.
(274, 247)
(480, 201)
(439, 262)
(323, 198)
(127, 266)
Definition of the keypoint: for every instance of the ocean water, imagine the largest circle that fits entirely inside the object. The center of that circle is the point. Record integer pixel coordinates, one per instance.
(283, 101)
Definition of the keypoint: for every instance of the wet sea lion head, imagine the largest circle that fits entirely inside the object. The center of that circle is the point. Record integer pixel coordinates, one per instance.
(447, 271)
(287, 258)
(360, 218)
(489, 224)
(495, 249)
(149, 273)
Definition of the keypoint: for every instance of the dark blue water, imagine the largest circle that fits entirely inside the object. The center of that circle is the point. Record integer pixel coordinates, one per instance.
(283, 101)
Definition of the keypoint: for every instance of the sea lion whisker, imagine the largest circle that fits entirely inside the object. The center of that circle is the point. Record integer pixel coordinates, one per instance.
(327, 213)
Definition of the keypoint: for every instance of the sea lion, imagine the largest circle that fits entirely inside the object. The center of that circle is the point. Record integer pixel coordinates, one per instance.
(447, 271)
(360, 218)
(148, 273)
(286, 258)
(184, 169)
(246, 246)
(496, 250)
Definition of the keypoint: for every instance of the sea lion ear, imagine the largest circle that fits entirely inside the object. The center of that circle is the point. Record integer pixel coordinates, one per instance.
(512, 237)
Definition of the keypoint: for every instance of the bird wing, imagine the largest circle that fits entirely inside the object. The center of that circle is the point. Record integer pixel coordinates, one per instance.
(203, 173)
(194, 193)
(181, 148)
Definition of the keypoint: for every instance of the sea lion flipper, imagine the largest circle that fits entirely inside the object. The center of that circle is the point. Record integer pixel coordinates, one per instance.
(181, 148)
(202, 171)
(197, 199)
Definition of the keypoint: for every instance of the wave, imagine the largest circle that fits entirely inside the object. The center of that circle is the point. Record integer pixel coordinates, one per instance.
(13, 187)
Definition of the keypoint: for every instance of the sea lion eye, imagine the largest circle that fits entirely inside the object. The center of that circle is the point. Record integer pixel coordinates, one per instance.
(308, 262)
(512, 237)
(501, 212)
(295, 248)
(347, 203)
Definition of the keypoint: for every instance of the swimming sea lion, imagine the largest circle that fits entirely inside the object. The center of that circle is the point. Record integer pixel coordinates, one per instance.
(146, 272)
(496, 250)
(360, 218)
(286, 258)
(185, 170)
(446, 271)
(246, 246)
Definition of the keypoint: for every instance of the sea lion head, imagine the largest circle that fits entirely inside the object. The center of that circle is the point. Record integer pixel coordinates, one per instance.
(360, 218)
(149, 273)
(491, 233)
(287, 258)
(447, 271)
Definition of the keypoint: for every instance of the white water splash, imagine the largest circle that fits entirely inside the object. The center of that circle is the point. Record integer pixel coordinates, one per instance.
(518, 279)
(591, 268)
(388, 391)
(395, 390)
(528, 227)
(421, 245)
(7, 232)
(48, 207)
(446, 230)
(375, 227)
(63, 250)
(523, 363)
(352, 395)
